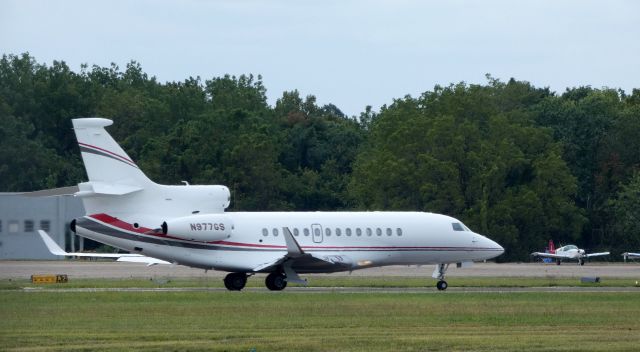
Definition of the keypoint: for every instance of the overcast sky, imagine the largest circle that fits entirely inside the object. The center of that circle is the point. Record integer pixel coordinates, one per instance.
(349, 53)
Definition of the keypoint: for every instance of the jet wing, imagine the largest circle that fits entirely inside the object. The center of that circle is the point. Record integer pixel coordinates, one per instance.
(548, 255)
(53, 247)
(596, 254)
(298, 260)
(62, 191)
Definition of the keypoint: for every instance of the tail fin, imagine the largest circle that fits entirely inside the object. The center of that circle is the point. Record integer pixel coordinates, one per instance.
(117, 186)
(552, 247)
(106, 163)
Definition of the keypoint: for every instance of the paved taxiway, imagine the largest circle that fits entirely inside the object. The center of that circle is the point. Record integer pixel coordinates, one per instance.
(349, 290)
(114, 270)
(106, 269)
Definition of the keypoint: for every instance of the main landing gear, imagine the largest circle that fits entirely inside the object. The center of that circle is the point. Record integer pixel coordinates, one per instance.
(276, 281)
(235, 281)
(441, 269)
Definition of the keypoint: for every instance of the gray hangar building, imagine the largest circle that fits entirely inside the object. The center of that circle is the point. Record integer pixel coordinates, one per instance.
(22, 216)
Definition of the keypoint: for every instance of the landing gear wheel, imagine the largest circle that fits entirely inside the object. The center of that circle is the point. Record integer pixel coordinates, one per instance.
(442, 285)
(581, 261)
(235, 281)
(558, 262)
(276, 281)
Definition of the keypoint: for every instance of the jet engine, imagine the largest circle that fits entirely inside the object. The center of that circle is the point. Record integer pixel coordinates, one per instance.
(199, 227)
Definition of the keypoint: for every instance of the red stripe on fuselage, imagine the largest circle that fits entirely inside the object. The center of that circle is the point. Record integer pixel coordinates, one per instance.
(108, 219)
(119, 223)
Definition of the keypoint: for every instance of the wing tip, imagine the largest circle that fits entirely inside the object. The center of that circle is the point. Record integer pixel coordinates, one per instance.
(52, 246)
(293, 247)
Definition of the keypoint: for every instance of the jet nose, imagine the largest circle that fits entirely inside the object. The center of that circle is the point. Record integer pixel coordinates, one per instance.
(495, 246)
(491, 246)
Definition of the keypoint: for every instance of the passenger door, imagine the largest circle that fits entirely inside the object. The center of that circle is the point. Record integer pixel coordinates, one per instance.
(316, 233)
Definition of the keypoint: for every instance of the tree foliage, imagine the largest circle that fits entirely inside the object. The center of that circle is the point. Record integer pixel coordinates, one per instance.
(516, 162)
(464, 151)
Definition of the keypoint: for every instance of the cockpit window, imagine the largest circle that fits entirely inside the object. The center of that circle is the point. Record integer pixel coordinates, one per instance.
(457, 226)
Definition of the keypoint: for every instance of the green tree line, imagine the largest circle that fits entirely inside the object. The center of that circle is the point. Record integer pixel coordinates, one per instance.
(519, 163)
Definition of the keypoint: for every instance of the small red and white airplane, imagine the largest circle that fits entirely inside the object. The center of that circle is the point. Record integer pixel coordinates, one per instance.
(188, 225)
(568, 252)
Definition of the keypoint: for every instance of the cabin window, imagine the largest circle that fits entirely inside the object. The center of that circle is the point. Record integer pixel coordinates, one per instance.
(379, 231)
(389, 232)
(358, 232)
(457, 226)
(317, 232)
(265, 232)
(45, 225)
(369, 232)
(28, 226)
(399, 231)
(348, 231)
(275, 232)
(296, 232)
(306, 232)
(327, 231)
(14, 226)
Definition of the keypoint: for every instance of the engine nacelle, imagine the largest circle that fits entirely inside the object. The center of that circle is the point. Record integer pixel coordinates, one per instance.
(199, 227)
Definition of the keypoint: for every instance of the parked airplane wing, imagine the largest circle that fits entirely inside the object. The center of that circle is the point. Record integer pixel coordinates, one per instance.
(62, 191)
(630, 255)
(53, 247)
(548, 255)
(131, 258)
(596, 254)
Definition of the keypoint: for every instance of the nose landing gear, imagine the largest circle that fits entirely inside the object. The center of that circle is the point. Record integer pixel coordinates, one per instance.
(441, 269)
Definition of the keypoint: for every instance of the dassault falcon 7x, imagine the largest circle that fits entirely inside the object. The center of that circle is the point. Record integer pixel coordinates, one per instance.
(568, 252)
(188, 225)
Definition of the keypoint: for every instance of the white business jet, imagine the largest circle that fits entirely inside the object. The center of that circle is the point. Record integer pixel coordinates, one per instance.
(188, 225)
(568, 252)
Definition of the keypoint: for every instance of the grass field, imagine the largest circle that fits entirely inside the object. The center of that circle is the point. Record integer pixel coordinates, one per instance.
(334, 281)
(294, 321)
